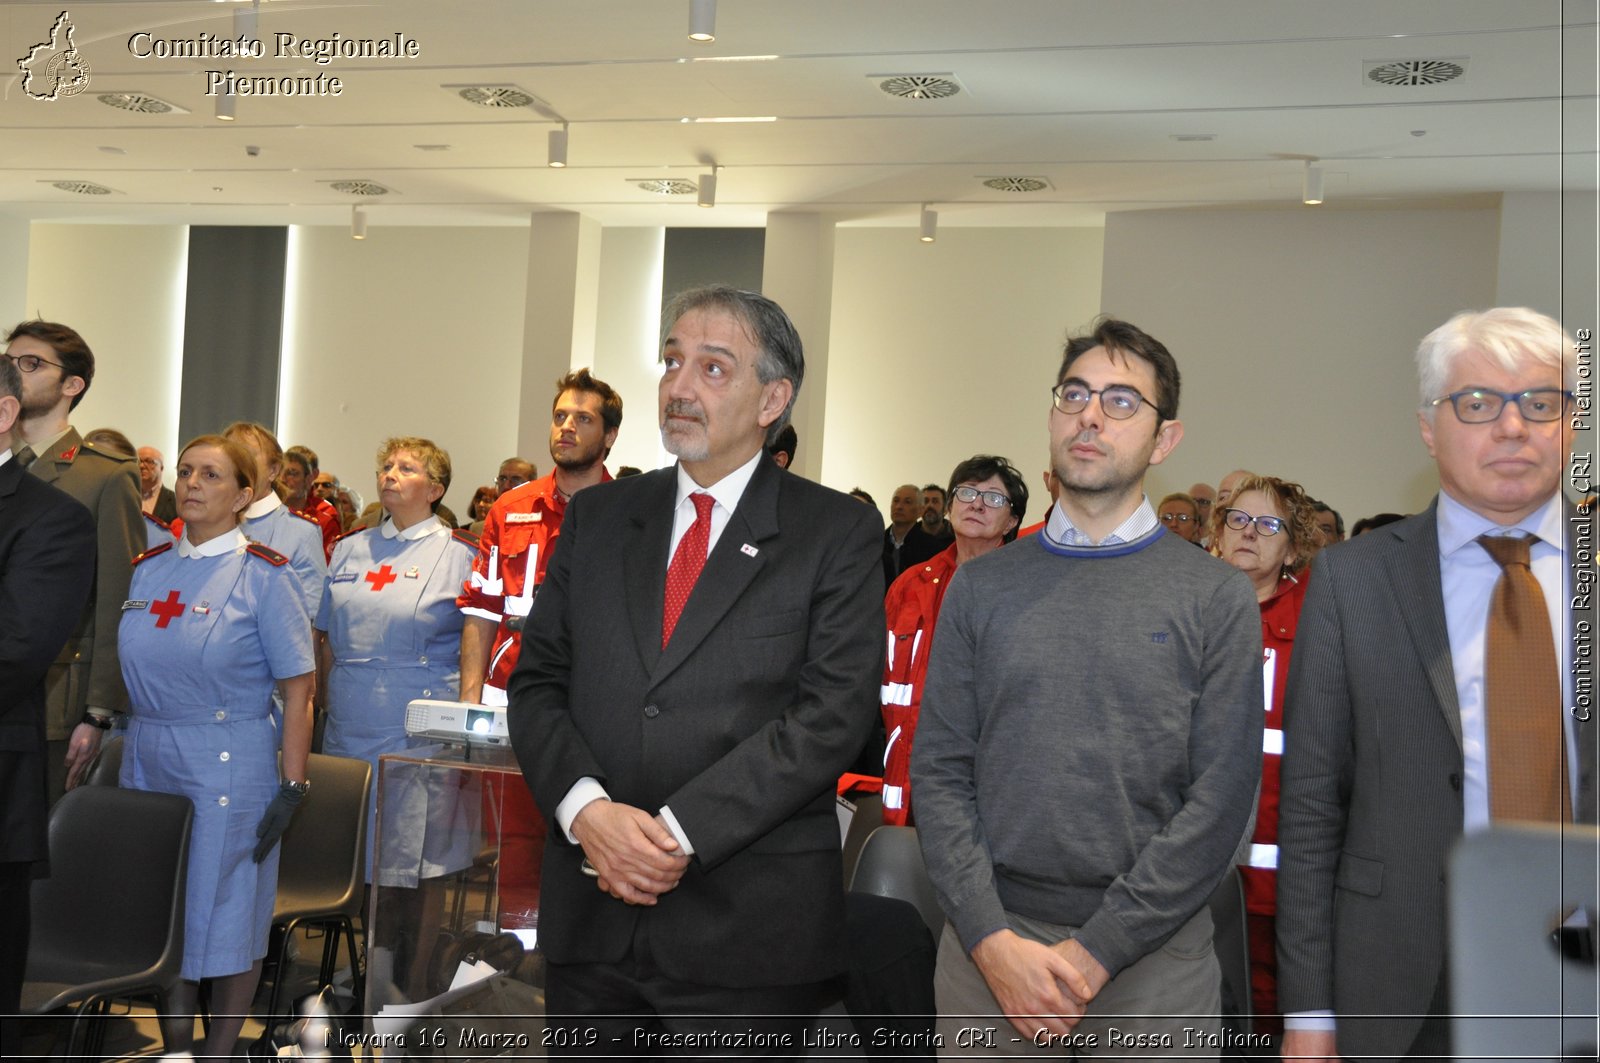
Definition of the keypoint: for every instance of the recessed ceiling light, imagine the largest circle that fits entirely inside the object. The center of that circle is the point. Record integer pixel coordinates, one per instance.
(918, 86)
(139, 103)
(1017, 184)
(1411, 73)
(359, 188)
(666, 186)
(82, 188)
(732, 58)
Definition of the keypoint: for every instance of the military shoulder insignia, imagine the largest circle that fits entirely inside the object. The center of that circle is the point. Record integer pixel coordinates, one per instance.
(153, 552)
(267, 553)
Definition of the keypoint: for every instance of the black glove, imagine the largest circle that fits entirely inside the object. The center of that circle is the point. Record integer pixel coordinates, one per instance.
(276, 820)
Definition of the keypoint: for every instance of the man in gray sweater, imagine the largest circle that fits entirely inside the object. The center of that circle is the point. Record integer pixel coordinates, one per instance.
(1089, 747)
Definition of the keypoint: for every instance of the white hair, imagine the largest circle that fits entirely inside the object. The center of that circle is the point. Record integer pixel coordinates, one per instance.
(1512, 337)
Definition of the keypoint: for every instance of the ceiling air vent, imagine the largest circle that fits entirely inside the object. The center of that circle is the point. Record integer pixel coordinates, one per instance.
(1409, 73)
(1016, 184)
(139, 103)
(500, 96)
(359, 188)
(667, 186)
(918, 86)
(81, 188)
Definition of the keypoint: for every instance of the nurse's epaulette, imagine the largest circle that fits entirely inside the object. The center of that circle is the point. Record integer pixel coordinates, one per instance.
(152, 552)
(346, 535)
(266, 553)
(462, 535)
(158, 522)
(308, 518)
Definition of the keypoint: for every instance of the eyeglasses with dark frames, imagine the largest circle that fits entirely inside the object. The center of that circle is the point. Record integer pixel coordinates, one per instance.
(1176, 518)
(969, 495)
(1119, 401)
(1482, 405)
(30, 363)
(1239, 520)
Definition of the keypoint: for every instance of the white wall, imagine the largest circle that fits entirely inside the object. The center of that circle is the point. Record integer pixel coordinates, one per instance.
(1294, 332)
(627, 342)
(412, 331)
(941, 351)
(122, 288)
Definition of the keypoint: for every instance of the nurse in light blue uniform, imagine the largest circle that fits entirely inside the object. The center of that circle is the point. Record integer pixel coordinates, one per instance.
(213, 624)
(393, 634)
(269, 522)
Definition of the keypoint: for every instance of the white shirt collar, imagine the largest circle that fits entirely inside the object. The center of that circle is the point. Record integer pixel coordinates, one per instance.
(5, 456)
(261, 507)
(226, 543)
(727, 491)
(1460, 526)
(1141, 522)
(422, 528)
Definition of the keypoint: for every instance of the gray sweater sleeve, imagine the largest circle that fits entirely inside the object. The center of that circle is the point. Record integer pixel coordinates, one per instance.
(944, 767)
(1179, 867)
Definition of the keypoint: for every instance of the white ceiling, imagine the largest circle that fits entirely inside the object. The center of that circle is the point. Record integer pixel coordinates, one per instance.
(1085, 94)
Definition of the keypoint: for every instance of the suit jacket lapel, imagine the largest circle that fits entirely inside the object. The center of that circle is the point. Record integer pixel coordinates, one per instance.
(1419, 593)
(729, 570)
(645, 544)
(11, 474)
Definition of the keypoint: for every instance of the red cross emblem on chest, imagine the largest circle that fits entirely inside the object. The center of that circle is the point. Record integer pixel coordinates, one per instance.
(167, 610)
(381, 578)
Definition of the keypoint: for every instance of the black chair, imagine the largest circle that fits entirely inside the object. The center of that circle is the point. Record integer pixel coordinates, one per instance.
(867, 818)
(1230, 940)
(107, 766)
(322, 870)
(891, 865)
(90, 947)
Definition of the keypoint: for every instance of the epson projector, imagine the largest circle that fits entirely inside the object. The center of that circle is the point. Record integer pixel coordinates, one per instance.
(458, 721)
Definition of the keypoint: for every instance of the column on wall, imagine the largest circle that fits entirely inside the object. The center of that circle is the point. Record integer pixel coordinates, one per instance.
(559, 326)
(14, 234)
(797, 272)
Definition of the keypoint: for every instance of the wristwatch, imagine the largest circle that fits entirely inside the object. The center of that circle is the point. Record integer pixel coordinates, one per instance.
(301, 788)
(101, 722)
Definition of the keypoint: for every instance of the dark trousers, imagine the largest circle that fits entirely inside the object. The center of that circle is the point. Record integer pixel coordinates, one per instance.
(632, 1009)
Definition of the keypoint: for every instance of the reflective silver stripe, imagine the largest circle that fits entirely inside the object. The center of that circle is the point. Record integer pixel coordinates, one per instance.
(901, 692)
(1272, 741)
(888, 745)
(893, 797)
(889, 653)
(916, 643)
(1261, 856)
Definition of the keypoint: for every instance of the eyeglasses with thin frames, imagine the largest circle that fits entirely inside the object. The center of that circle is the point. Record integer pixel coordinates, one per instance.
(1119, 401)
(969, 495)
(1176, 518)
(1239, 520)
(30, 363)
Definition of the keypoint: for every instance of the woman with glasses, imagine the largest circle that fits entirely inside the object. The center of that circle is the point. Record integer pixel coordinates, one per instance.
(1268, 531)
(986, 501)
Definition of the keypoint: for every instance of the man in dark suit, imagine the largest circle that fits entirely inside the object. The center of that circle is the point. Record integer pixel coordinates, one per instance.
(84, 688)
(155, 498)
(683, 730)
(46, 566)
(1392, 740)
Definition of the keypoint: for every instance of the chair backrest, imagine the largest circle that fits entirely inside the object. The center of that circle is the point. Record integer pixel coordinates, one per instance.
(107, 766)
(1231, 941)
(323, 864)
(867, 818)
(1509, 889)
(891, 865)
(119, 862)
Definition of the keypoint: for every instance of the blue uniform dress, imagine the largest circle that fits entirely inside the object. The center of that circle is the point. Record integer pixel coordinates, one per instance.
(271, 523)
(205, 633)
(395, 634)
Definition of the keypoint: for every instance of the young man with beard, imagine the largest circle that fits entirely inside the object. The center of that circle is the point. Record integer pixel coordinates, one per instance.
(84, 687)
(1090, 741)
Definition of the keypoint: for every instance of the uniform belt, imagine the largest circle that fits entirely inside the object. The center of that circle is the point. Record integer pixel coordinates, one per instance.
(233, 716)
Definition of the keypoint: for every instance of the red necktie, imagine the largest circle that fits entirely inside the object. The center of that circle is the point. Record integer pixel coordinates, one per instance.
(1522, 694)
(686, 564)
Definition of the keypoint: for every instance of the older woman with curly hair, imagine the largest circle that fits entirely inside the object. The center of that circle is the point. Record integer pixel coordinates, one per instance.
(1268, 531)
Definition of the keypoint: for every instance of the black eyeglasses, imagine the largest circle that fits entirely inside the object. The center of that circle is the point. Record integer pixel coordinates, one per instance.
(969, 495)
(1482, 405)
(1239, 520)
(30, 363)
(1119, 401)
(1176, 518)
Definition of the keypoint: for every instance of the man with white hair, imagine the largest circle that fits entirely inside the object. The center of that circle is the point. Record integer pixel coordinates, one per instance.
(1427, 696)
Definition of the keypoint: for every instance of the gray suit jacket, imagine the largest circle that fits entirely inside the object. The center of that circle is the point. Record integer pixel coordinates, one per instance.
(1371, 796)
(741, 726)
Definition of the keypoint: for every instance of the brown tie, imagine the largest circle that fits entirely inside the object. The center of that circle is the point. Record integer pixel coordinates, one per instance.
(1522, 694)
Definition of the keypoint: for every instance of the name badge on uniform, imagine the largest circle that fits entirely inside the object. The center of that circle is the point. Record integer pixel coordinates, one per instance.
(344, 577)
(203, 609)
(748, 551)
(524, 518)
(136, 603)
(413, 572)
